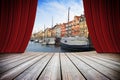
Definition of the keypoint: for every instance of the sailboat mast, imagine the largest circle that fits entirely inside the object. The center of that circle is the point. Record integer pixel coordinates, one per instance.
(68, 22)
(52, 21)
(68, 14)
(44, 33)
(52, 26)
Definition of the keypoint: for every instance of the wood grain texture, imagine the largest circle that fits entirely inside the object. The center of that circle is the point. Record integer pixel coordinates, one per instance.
(10, 74)
(34, 71)
(69, 71)
(86, 70)
(52, 70)
(111, 74)
(60, 66)
(104, 63)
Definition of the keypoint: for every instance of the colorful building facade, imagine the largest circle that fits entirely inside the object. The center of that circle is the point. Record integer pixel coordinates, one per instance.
(76, 27)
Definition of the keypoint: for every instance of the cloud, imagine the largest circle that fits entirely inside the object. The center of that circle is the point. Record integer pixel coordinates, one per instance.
(58, 9)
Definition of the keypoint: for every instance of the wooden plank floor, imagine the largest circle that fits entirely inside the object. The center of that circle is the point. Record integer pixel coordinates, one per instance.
(60, 66)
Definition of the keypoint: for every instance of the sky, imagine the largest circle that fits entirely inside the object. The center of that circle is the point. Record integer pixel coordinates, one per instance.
(58, 9)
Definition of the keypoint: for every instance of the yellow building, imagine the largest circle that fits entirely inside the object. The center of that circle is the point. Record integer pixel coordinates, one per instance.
(76, 27)
(83, 27)
(48, 33)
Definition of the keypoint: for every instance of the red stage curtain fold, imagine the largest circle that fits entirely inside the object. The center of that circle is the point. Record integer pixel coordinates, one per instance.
(103, 18)
(16, 24)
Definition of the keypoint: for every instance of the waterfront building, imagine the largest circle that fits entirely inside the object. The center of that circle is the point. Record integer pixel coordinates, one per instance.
(53, 32)
(75, 26)
(40, 35)
(57, 30)
(68, 28)
(37, 35)
(49, 33)
(46, 32)
(83, 26)
(63, 30)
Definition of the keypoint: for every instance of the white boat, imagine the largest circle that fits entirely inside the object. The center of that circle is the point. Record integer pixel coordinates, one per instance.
(43, 43)
(75, 44)
(50, 41)
(36, 41)
(40, 41)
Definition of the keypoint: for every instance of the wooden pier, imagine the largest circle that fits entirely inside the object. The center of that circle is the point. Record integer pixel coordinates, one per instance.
(60, 66)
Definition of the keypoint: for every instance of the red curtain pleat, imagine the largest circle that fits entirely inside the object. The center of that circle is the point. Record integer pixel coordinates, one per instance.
(23, 23)
(3, 23)
(103, 18)
(16, 24)
(30, 23)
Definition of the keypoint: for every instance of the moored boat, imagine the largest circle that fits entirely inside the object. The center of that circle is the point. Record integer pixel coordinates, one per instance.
(36, 41)
(75, 44)
(50, 41)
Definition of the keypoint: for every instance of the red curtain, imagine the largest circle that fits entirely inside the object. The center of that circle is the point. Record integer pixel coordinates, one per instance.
(16, 24)
(103, 20)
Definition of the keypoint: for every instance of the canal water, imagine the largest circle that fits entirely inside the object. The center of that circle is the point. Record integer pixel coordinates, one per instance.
(37, 47)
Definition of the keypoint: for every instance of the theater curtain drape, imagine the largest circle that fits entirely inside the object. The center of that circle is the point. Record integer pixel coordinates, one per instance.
(16, 24)
(103, 20)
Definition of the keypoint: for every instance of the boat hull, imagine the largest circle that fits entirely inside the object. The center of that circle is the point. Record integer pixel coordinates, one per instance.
(67, 47)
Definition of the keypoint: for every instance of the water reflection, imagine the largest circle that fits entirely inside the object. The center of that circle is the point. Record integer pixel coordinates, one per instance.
(37, 47)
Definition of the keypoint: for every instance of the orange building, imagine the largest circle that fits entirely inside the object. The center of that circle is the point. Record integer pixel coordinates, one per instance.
(69, 28)
(75, 26)
(63, 29)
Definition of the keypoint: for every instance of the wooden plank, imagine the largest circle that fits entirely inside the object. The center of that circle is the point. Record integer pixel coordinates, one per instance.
(69, 71)
(2, 54)
(106, 64)
(12, 73)
(91, 53)
(14, 64)
(102, 69)
(107, 60)
(8, 56)
(86, 70)
(14, 59)
(108, 56)
(52, 71)
(35, 70)
(15, 56)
